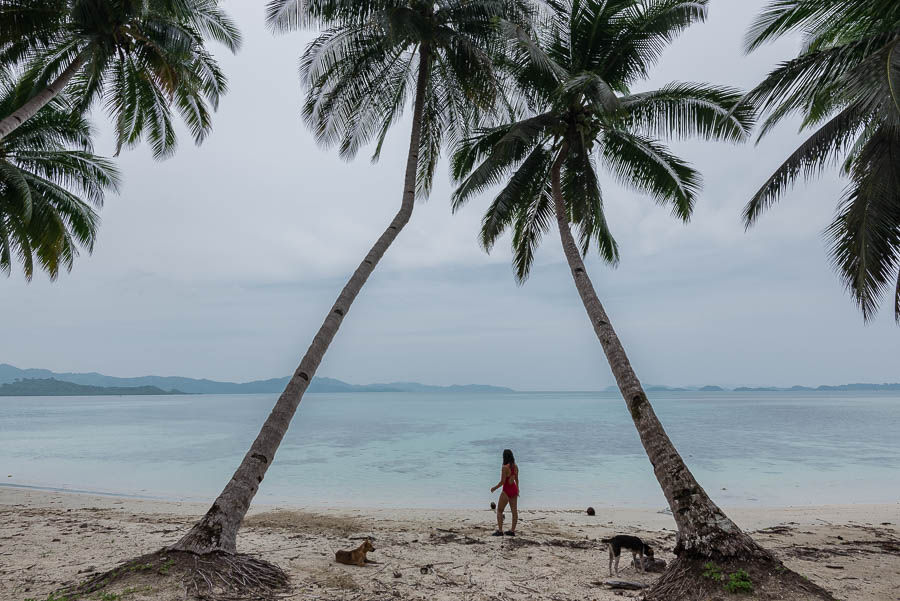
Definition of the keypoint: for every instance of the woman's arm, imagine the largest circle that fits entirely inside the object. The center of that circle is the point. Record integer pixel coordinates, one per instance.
(503, 473)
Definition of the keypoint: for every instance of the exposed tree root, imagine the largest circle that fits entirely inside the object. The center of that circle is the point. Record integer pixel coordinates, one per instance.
(692, 579)
(211, 577)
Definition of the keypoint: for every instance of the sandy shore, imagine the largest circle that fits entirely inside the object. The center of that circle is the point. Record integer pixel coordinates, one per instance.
(50, 539)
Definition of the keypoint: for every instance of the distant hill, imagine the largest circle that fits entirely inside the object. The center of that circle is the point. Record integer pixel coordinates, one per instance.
(8, 373)
(52, 387)
(842, 387)
(846, 387)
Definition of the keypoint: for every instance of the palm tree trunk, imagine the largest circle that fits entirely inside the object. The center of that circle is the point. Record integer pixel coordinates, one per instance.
(217, 530)
(703, 529)
(40, 100)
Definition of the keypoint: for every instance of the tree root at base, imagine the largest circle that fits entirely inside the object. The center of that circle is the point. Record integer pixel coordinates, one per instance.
(693, 579)
(211, 577)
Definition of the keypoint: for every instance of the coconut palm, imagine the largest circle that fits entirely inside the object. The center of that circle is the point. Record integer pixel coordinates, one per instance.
(140, 58)
(371, 60)
(50, 182)
(575, 78)
(846, 86)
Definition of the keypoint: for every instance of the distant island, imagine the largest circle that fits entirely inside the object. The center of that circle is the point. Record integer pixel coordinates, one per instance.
(53, 387)
(179, 385)
(841, 387)
(10, 374)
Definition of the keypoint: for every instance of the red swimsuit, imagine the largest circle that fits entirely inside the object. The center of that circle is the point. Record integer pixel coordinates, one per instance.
(509, 487)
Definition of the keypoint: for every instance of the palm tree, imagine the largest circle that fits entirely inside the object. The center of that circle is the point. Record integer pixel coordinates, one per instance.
(371, 59)
(575, 79)
(846, 86)
(46, 167)
(139, 57)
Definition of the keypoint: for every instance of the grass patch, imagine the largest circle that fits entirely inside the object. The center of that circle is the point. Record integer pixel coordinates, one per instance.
(739, 582)
(712, 572)
(735, 582)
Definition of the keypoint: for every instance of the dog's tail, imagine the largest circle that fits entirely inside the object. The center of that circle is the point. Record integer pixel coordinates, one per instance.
(606, 540)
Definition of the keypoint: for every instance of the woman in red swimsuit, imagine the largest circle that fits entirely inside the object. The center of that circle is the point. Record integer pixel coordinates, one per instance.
(509, 480)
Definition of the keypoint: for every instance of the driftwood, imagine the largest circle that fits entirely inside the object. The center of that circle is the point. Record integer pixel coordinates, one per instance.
(624, 585)
(650, 565)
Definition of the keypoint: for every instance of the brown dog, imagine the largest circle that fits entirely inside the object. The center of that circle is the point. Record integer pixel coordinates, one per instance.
(356, 557)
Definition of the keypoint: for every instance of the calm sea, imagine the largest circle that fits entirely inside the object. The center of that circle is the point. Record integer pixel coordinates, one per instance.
(443, 450)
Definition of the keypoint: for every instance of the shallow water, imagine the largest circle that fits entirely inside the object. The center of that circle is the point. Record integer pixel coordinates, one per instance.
(443, 450)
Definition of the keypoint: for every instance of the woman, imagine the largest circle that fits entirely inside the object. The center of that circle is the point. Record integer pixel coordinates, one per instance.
(509, 480)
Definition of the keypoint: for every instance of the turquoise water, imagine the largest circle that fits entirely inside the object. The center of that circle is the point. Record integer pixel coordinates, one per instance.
(443, 450)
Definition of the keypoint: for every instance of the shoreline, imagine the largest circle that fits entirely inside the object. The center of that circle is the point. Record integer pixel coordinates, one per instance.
(50, 538)
(754, 515)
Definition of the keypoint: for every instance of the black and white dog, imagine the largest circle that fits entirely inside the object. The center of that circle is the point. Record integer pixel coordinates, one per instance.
(633, 544)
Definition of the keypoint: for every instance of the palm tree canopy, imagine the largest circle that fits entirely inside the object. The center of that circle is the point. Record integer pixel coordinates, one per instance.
(50, 182)
(574, 83)
(141, 58)
(360, 72)
(845, 84)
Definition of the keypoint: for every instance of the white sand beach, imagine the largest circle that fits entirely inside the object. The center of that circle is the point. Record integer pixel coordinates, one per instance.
(50, 539)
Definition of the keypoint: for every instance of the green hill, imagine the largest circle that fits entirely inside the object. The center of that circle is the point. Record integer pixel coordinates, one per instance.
(8, 373)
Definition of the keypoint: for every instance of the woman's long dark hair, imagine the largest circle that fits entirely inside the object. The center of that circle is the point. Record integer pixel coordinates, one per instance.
(508, 457)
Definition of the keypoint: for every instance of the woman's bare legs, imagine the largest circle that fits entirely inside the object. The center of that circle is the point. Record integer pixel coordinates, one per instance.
(513, 505)
(500, 507)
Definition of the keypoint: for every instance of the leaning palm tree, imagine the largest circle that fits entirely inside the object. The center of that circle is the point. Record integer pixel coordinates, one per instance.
(139, 57)
(50, 182)
(575, 79)
(371, 60)
(846, 85)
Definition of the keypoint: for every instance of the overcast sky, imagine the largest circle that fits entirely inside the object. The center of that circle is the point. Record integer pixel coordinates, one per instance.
(222, 261)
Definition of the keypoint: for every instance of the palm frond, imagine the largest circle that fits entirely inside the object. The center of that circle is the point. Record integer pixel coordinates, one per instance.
(825, 146)
(648, 166)
(683, 110)
(498, 150)
(524, 188)
(49, 178)
(529, 225)
(865, 236)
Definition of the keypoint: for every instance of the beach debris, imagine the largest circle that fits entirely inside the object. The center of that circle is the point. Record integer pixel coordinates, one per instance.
(781, 529)
(572, 544)
(590, 511)
(516, 542)
(650, 565)
(493, 505)
(427, 568)
(834, 567)
(454, 537)
(624, 585)
(397, 574)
